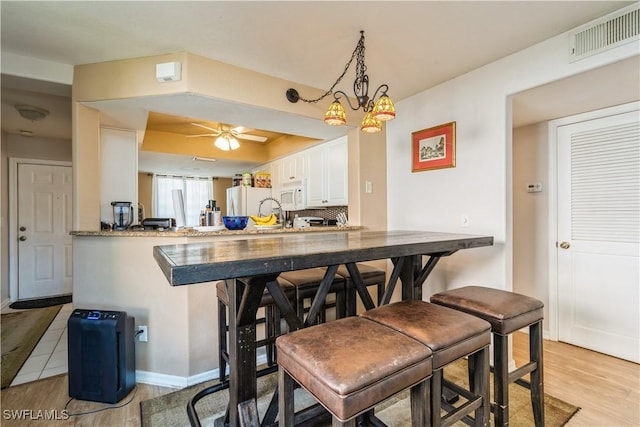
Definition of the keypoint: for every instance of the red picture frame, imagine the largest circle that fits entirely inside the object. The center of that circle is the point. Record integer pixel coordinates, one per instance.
(434, 148)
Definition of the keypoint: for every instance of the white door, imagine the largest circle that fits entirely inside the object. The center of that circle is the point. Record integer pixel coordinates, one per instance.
(599, 235)
(44, 223)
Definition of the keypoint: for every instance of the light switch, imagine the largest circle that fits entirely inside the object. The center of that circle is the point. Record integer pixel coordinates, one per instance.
(368, 187)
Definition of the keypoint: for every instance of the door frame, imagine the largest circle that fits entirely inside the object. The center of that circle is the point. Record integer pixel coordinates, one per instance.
(14, 162)
(552, 238)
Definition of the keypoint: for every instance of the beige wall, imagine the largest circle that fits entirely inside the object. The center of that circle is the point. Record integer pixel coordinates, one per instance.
(220, 186)
(530, 213)
(371, 162)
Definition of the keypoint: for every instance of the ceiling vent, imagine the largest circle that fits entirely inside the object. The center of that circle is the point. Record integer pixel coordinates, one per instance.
(605, 33)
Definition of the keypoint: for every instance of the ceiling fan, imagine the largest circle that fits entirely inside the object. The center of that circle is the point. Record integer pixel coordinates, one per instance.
(236, 132)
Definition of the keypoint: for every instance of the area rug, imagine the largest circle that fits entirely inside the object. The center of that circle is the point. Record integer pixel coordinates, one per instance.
(170, 409)
(21, 331)
(41, 302)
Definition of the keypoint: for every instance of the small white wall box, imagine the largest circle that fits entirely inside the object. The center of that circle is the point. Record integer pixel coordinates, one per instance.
(169, 72)
(534, 187)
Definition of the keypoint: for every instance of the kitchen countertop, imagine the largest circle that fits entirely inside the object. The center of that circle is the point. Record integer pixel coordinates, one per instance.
(189, 232)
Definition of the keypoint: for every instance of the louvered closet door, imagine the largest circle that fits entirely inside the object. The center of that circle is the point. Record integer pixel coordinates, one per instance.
(599, 235)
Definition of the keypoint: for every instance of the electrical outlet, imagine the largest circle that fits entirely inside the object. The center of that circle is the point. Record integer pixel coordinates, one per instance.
(464, 220)
(143, 335)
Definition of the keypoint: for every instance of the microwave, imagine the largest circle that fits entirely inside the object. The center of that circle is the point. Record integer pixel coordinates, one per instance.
(293, 195)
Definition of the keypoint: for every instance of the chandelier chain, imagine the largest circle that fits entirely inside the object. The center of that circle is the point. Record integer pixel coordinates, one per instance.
(359, 52)
(361, 68)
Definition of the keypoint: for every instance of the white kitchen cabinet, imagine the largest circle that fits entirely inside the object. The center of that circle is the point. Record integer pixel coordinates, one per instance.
(294, 167)
(327, 174)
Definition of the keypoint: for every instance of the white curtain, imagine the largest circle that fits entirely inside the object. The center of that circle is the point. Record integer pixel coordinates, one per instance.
(196, 192)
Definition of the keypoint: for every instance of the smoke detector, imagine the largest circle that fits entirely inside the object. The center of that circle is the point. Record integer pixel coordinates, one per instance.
(32, 113)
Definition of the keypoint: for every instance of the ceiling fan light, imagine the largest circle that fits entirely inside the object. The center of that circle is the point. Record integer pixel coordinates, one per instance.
(384, 109)
(226, 142)
(335, 115)
(370, 125)
(222, 142)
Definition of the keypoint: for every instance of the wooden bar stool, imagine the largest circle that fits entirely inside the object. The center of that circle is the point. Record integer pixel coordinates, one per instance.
(306, 283)
(507, 312)
(349, 366)
(371, 276)
(271, 322)
(451, 335)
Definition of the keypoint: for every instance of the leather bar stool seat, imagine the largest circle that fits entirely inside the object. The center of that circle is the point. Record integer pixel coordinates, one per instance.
(451, 335)
(507, 312)
(307, 282)
(271, 322)
(349, 366)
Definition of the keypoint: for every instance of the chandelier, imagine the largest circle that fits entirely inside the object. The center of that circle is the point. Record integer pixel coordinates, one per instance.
(376, 110)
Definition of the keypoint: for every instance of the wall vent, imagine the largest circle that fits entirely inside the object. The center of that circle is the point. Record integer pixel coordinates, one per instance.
(605, 33)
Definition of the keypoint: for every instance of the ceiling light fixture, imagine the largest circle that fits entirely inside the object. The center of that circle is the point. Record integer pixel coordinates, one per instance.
(32, 113)
(204, 159)
(226, 142)
(377, 110)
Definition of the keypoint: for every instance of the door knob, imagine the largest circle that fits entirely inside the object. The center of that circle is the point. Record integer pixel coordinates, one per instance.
(565, 245)
(23, 228)
(22, 238)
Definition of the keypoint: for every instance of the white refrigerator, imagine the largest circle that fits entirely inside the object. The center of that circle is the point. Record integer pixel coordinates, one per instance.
(245, 201)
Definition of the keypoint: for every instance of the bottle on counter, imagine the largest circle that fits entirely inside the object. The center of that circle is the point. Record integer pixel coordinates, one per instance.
(217, 217)
(203, 219)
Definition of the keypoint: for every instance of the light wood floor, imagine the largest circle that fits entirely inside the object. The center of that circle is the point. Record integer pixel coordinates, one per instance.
(607, 389)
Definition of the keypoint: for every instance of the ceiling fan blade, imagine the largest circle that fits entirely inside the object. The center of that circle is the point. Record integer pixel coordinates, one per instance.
(216, 131)
(202, 134)
(249, 137)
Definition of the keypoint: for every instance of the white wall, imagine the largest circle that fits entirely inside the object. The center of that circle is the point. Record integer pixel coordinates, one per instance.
(480, 184)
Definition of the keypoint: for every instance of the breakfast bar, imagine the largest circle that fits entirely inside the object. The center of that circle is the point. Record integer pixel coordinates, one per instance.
(264, 259)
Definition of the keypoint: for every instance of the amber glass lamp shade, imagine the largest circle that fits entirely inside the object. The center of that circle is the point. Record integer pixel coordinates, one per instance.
(370, 125)
(384, 109)
(335, 115)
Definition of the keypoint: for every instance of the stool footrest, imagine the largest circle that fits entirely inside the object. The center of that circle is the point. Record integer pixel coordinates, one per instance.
(473, 403)
(522, 371)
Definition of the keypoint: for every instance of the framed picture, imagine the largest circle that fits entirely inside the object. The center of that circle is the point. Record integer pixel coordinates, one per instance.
(434, 148)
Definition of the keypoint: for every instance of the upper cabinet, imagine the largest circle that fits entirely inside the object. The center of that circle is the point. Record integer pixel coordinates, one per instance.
(327, 176)
(294, 167)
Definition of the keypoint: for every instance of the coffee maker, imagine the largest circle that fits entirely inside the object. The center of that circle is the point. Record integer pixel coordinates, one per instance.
(122, 215)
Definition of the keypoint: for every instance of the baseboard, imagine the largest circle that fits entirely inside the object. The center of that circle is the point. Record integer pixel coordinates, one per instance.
(5, 303)
(175, 381)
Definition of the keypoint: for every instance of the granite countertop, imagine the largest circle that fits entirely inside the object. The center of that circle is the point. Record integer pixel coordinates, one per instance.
(189, 232)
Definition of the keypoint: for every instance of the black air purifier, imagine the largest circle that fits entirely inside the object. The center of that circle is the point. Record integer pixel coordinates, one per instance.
(101, 355)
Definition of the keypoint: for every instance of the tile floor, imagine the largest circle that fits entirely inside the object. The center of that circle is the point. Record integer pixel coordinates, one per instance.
(49, 357)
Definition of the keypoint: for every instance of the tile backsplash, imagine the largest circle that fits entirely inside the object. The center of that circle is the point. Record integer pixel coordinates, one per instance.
(325, 213)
